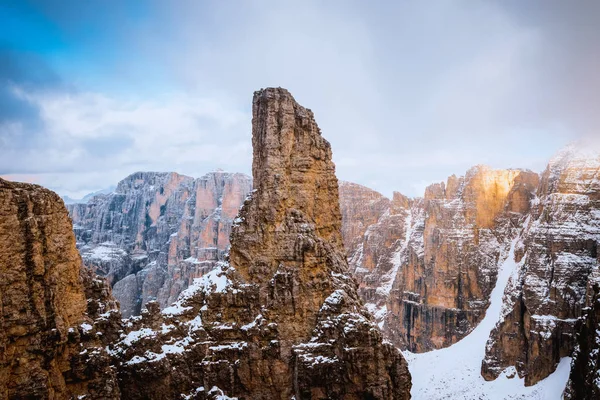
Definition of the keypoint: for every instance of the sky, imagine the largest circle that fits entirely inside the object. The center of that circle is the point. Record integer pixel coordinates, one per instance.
(407, 92)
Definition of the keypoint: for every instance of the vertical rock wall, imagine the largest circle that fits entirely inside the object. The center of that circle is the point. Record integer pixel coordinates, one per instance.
(428, 265)
(558, 267)
(157, 232)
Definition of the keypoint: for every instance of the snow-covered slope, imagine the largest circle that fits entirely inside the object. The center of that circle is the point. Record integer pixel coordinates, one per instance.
(455, 372)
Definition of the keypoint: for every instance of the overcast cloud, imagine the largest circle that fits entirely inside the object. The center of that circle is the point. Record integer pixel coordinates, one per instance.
(407, 92)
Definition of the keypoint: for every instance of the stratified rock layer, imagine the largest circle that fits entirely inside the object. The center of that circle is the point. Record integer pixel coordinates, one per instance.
(428, 265)
(157, 232)
(45, 333)
(558, 267)
(283, 318)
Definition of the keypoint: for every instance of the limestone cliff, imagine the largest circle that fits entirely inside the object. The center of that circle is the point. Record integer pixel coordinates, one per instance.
(427, 266)
(157, 232)
(283, 317)
(49, 347)
(361, 208)
(558, 267)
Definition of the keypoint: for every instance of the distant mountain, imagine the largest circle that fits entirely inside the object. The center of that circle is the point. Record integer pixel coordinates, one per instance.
(157, 231)
(89, 196)
(428, 269)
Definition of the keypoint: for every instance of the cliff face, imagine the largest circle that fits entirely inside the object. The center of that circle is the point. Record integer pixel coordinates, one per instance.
(45, 330)
(427, 266)
(157, 232)
(558, 267)
(361, 208)
(585, 367)
(283, 317)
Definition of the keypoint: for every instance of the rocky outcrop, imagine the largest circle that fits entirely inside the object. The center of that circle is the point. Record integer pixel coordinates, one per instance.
(157, 232)
(49, 346)
(558, 267)
(282, 319)
(427, 266)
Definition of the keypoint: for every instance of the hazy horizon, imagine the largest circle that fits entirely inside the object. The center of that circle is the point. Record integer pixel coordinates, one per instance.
(113, 186)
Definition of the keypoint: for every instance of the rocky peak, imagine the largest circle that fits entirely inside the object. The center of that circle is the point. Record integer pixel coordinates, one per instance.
(149, 180)
(290, 155)
(400, 201)
(361, 207)
(292, 225)
(572, 170)
(283, 317)
(485, 192)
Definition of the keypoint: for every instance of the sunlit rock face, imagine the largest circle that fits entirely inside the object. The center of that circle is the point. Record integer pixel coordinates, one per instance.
(558, 267)
(49, 347)
(157, 232)
(427, 265)
(282, 319)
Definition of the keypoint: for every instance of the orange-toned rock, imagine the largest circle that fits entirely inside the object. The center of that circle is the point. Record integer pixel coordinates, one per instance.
(361, 207)
(43, 321)
(427, 266)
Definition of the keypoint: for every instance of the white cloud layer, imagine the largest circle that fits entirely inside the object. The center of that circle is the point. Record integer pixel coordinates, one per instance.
(93, 141)
(407, 92)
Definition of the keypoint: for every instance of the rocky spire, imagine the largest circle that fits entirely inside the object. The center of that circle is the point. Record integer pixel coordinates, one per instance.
(289, 238)
(291, 228)
(283, 318)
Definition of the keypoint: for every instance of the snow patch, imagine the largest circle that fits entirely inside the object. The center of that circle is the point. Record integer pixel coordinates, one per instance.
(455, 372)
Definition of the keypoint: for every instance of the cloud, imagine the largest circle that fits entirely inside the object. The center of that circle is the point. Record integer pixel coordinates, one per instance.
(26, 70)
(407, 92)
(91, 134)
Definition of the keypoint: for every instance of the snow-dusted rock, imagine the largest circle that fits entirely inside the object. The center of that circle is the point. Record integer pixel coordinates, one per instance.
(426, 266)
(584, 382)
(558, 267)
(157, 232)
(52, 334)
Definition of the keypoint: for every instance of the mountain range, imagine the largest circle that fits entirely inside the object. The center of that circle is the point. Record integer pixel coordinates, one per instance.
(291, 284)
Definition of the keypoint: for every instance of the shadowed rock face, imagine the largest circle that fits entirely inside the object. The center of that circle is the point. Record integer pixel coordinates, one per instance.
(157, 232)
(45, 333)
(558, 267)
(585, 367)
(283, 317)
(427, 266)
